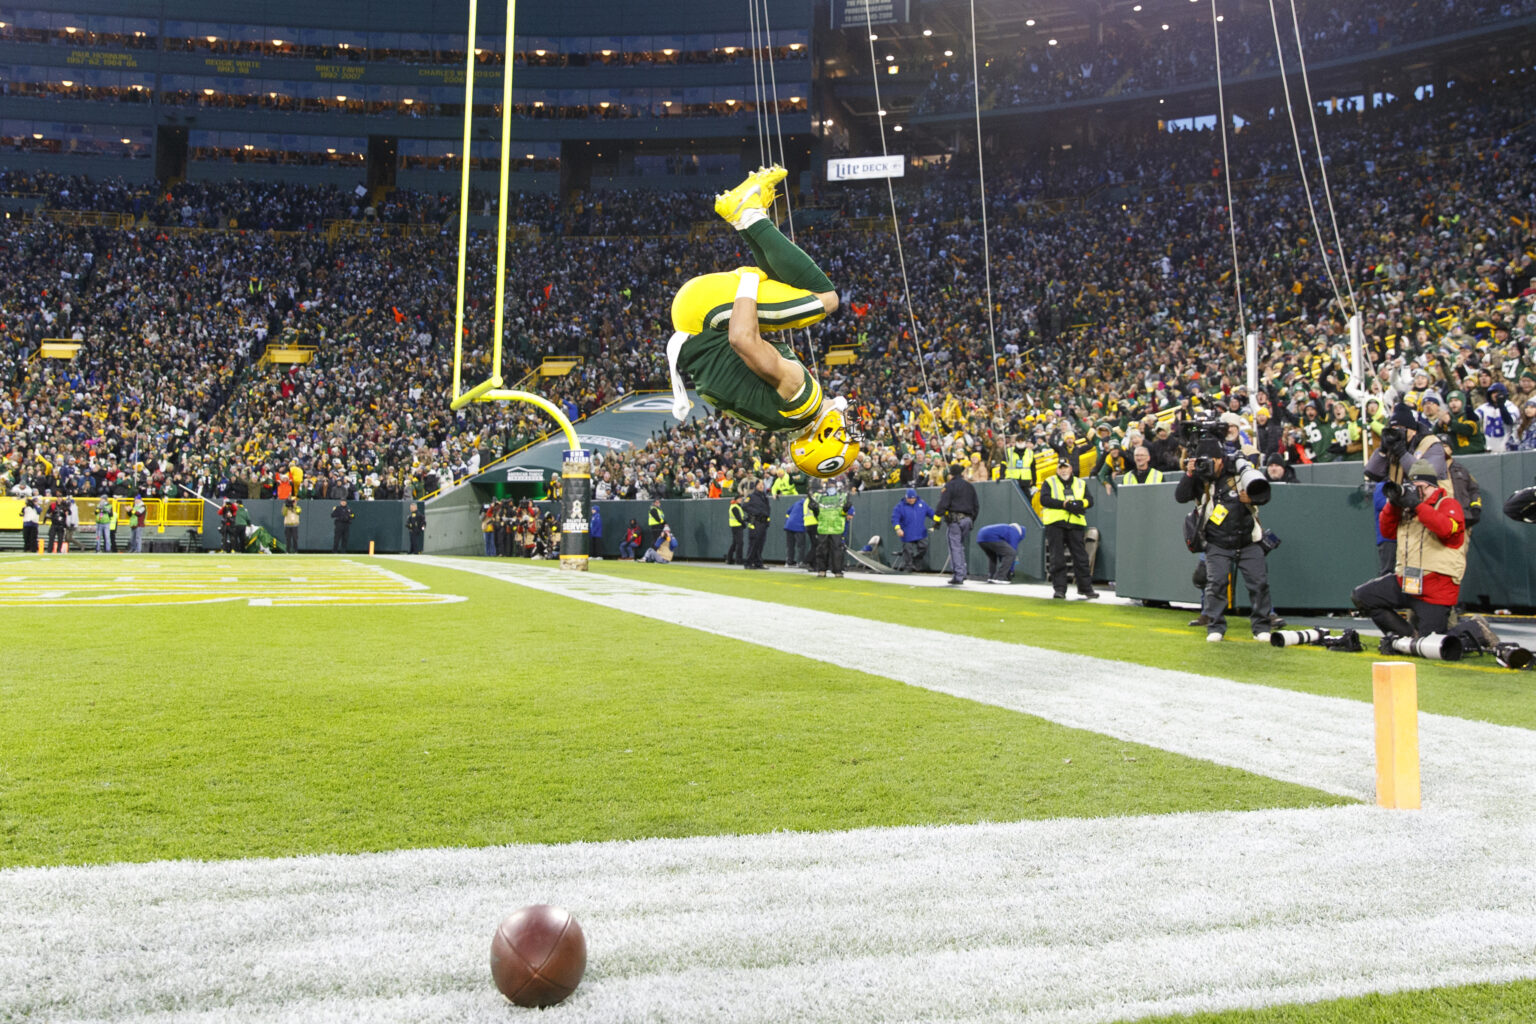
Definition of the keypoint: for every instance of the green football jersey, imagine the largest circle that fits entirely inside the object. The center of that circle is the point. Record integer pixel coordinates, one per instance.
(728, 384)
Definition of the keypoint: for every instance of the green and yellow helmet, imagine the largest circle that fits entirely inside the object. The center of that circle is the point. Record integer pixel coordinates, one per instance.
(828, 446)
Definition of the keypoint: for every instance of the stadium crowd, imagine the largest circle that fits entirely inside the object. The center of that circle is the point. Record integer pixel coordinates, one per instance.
(1128, 59)
(1111, 317)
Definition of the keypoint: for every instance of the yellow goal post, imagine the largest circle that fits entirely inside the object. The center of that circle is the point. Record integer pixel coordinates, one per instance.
(575, 503)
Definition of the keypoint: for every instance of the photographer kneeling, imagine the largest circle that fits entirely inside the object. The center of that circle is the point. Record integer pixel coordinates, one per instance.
(1227, 490)
(1431, 533)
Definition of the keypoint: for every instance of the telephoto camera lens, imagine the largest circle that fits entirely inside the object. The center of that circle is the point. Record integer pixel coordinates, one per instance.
(1297, 637)
(1512, 656)
(1254, 484)
(1435, 647)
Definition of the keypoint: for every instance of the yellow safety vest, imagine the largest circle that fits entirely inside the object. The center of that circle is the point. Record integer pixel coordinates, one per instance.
(737, 519)
(1154, 476)
(1060, 493)
(1020, 467)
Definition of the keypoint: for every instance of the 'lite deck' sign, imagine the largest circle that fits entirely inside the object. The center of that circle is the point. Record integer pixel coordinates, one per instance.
(863, 167)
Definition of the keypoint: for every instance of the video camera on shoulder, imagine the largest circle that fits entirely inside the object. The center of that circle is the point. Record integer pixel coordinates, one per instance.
(1191, 435)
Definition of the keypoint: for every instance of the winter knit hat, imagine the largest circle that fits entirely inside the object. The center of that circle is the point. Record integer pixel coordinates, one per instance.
(1403, 416)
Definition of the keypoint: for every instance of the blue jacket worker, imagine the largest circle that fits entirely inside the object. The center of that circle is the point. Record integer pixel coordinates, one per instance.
(1386, 547)
(595, 532)
(1001, 543)
(910, 519)
(797, 549)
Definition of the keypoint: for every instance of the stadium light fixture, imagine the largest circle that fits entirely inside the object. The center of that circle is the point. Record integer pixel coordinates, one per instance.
(897, 128)
(604, 104)
(1050, 42)
(341, 99)
(67, 83)
(890, 57)
(207, 92)
(1165, 26)
(1221, 17)
(277, 42)
(37, 135)
(408, 101)
(247, 147)
(891, 69)
(332, 150)
(882, 113)
(68, 29)
(1137, 8)
(874, 37)
(1030, 22)
(792, 46)
(536, 53)
(730, 49)
(730, 103)
(538, 103)
(949, 53)
(794, 99)
(212, 39)
(927, 32)
(668, 51)
(129, 142)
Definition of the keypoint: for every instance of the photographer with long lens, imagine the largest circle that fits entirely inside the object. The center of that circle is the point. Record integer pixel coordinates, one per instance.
(1227, 490)
(1431, 533)
(1402, 446)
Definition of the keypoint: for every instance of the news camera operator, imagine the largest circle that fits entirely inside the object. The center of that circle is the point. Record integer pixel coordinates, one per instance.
(1227, 490)
(1431, 533)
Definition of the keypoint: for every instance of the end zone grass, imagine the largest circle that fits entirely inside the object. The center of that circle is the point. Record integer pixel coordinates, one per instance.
(216, 731)
(1512, 1003)
(1143, 636)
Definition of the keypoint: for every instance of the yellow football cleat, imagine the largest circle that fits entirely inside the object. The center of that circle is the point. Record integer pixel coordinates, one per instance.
(746, 196)
(769, 178)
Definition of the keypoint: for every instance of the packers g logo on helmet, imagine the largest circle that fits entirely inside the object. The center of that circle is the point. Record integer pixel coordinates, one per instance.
(827, 448)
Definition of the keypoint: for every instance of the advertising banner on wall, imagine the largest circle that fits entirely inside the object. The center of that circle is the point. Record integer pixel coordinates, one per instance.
(860, 168)
(858, 13)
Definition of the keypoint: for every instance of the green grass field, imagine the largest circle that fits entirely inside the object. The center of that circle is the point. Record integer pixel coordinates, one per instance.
(1514, 1003)
(1142, 636)
(212, 731)
(225, 731)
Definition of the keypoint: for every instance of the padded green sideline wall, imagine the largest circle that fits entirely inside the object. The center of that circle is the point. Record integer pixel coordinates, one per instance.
(1325, 522)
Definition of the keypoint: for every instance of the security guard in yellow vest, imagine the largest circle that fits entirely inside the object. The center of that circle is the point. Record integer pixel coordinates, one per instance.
(1143, 473)
(738, 525)
(1019, 464)
(1063, 502)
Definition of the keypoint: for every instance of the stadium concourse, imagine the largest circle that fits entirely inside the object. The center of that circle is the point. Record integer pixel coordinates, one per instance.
(1109, 311)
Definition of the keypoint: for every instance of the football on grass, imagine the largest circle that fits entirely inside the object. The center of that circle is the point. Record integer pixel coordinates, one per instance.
(538, 955)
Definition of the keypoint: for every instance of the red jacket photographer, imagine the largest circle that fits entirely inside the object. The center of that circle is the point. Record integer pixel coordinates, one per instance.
(1434, 539)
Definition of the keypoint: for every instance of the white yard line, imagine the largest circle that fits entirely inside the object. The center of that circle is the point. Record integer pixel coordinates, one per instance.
(1323, 742)
(1048, 921)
